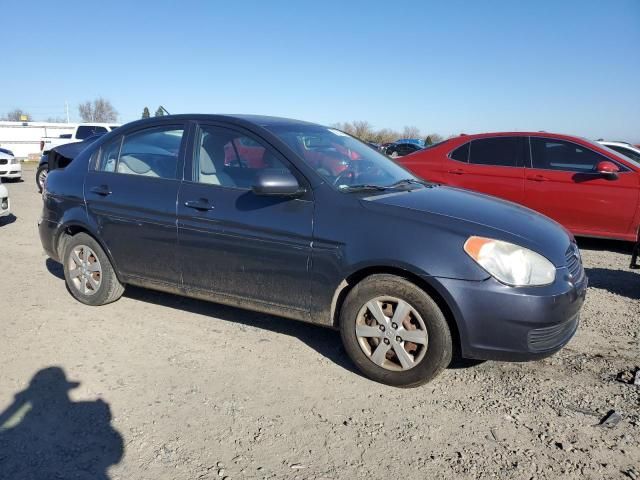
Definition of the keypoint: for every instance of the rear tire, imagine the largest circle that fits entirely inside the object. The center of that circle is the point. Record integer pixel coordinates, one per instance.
(420, 319)
(89, 275)
(41, 175)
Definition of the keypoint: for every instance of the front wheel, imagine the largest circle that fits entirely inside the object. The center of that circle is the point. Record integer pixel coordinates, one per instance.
(394, 332)
(88, 272)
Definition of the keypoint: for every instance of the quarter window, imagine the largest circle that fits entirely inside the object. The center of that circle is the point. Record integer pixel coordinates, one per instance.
(552, 154)
(498, 151)
(230, 159)
(461, 154)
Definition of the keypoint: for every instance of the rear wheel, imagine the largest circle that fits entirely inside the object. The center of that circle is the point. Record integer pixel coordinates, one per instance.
(394, 332)
(41, 176)
(88, 272)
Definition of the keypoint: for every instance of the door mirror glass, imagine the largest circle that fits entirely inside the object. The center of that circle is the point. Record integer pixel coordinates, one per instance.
(607, 169)
(277, 183)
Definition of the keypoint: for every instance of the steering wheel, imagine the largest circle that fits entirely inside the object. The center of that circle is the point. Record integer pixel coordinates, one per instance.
(349, 172)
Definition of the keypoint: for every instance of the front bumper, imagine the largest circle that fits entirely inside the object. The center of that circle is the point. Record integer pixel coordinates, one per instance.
(13, 170)
(497, 322)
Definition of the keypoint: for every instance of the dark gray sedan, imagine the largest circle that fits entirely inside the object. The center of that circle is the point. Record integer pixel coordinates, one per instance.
(306, 222)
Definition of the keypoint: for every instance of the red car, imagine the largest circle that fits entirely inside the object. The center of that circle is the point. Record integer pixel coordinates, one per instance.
(590, 189)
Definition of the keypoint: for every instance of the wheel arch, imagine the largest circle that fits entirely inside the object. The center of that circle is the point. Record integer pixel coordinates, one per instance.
(72, 229)
(347, 284)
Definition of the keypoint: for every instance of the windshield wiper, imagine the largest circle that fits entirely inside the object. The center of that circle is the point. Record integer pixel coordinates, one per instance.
(362, 188)
(406, 181)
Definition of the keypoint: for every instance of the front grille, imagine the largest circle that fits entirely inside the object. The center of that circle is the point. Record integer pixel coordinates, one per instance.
(574, 263)
(548, 338)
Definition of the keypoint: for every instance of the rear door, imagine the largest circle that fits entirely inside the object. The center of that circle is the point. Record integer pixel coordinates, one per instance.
(236, 245)
(493, 165)
(131, 192)
(563, 184)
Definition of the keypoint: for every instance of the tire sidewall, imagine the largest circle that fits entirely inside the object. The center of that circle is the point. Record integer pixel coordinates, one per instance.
(439, 348)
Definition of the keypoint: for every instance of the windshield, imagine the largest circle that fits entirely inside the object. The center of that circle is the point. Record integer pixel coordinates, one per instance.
(343, 161)
(613, 153)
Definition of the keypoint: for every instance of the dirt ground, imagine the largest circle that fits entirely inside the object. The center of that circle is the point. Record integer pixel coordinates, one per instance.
(171, 388)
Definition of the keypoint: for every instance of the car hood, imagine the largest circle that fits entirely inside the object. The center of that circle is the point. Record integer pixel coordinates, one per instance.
(478, 214)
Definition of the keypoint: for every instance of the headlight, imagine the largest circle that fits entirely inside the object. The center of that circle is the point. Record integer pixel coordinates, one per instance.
(14, 161)
(511, 264)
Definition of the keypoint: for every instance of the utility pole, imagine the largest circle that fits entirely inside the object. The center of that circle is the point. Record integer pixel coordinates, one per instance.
(66, 107)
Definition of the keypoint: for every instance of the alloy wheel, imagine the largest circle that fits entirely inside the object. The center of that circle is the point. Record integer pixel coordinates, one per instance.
(85, 270)
(392, 333)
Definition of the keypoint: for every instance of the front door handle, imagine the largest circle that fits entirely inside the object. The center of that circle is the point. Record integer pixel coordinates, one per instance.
(200, 204)
(457, 171)
(102, 190)
(537, 178)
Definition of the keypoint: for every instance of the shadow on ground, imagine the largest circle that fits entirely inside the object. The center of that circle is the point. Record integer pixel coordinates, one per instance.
(600, 244)
(7, 219)
(44, 435)
(625, 283)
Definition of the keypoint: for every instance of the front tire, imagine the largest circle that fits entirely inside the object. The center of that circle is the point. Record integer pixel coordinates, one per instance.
(89, 275)
(395, 332)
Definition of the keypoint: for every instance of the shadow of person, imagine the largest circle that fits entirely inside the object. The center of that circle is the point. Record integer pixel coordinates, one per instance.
(44, 435)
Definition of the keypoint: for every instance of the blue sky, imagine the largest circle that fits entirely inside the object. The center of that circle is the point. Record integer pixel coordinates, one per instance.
(446, 66)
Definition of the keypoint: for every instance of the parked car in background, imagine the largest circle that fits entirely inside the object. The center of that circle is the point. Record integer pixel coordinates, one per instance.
(400, 149)
(591, 190)
(417, 141)
(242, 210)
(10, 166)
(5, 206)
(60, 157)
(625, 148)
(81, 132)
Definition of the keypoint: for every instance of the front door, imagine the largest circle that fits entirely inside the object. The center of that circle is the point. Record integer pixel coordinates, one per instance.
(494, 166)
(131, 194)
(563, 184)
(235, 245)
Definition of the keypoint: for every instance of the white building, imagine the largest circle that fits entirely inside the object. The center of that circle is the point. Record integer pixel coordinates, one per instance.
(23, 138)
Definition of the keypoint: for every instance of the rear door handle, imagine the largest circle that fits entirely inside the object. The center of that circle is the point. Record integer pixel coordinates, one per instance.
(201, 204)
(457, 171)
(102, 190)
(537, 178)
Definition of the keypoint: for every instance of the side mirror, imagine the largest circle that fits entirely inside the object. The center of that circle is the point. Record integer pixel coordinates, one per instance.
(608, 170)
(277, 183)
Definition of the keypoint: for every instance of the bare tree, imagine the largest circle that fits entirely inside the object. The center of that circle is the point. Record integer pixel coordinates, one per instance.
(100, 110)
(17, 115)
(362, 130)
(411, 132)
(55, 120)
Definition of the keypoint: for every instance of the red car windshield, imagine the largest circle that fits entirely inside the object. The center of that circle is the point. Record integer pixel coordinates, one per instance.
(341, 159)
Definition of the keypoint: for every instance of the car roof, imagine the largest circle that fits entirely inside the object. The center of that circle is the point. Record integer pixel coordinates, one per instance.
(260, 120)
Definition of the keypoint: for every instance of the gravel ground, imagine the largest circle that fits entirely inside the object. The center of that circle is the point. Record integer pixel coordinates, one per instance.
(172, 388)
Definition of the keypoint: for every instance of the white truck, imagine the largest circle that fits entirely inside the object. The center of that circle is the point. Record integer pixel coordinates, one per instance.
(80, 132)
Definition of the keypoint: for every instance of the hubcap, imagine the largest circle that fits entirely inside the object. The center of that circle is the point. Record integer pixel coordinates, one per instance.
(392, 333)
(85, 270)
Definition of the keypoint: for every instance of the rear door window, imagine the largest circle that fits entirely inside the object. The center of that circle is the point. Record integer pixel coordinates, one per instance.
(497, 151)
(553, 154)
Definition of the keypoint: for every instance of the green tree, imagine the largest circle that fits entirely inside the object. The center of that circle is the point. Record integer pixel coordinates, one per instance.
(159, 112)
(145, 113)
